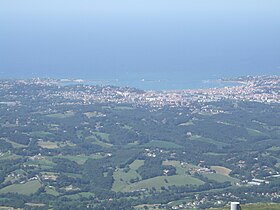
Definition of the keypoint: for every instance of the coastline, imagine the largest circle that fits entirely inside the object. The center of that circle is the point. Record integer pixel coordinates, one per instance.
(159, 85)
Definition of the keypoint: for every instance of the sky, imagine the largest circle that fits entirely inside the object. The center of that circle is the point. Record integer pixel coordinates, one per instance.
(109, 38)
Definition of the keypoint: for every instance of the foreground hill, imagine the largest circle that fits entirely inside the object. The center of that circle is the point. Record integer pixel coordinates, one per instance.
(258, 206)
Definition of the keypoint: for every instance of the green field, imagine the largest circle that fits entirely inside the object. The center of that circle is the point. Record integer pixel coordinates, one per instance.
(122, 179)
(260, 206)
(187, 123)
(79, 195)
(40, 134)
(163, 181)
(102, 144)
(221, 170)
(51, 191)
(44, 163)
(81, 159)
(162, 144)
(15, 144)
(35, 204)
(221, 178)
(104, 136)
(48, 144)
(95, 141)
(105, 139)
(62, 115)
(274, 148)
(136, 164)
(26, 189)
(253, 132)
(127, 127)
(54, 145)
(208, 140)
(8, 155)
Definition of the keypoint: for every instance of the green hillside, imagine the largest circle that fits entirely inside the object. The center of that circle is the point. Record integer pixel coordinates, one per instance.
(103, 147)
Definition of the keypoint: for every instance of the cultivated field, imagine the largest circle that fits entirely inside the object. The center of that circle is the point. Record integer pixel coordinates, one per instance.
(26, 189)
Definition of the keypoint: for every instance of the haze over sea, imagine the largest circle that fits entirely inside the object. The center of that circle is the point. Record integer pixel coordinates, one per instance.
(149, 44)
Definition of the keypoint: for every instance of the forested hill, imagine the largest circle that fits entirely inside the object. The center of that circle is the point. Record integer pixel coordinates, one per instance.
(104, 147)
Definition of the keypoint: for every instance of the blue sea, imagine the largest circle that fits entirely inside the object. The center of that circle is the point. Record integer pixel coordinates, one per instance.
(160, 44)
(170, 81)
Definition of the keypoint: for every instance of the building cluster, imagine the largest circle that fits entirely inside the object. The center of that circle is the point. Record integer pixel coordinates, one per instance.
(258, 182)
(257, 89)
(265, 89)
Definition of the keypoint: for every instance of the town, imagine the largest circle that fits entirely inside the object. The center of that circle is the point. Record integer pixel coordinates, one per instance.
(263, 89)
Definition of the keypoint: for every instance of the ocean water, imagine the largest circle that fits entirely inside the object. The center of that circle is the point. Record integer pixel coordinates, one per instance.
(158, 44)
(156, 81)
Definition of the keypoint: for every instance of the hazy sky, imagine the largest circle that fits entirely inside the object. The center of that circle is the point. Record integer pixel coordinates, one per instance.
(80, 37)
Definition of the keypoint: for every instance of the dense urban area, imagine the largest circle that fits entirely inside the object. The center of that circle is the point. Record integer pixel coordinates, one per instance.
(70, 144)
